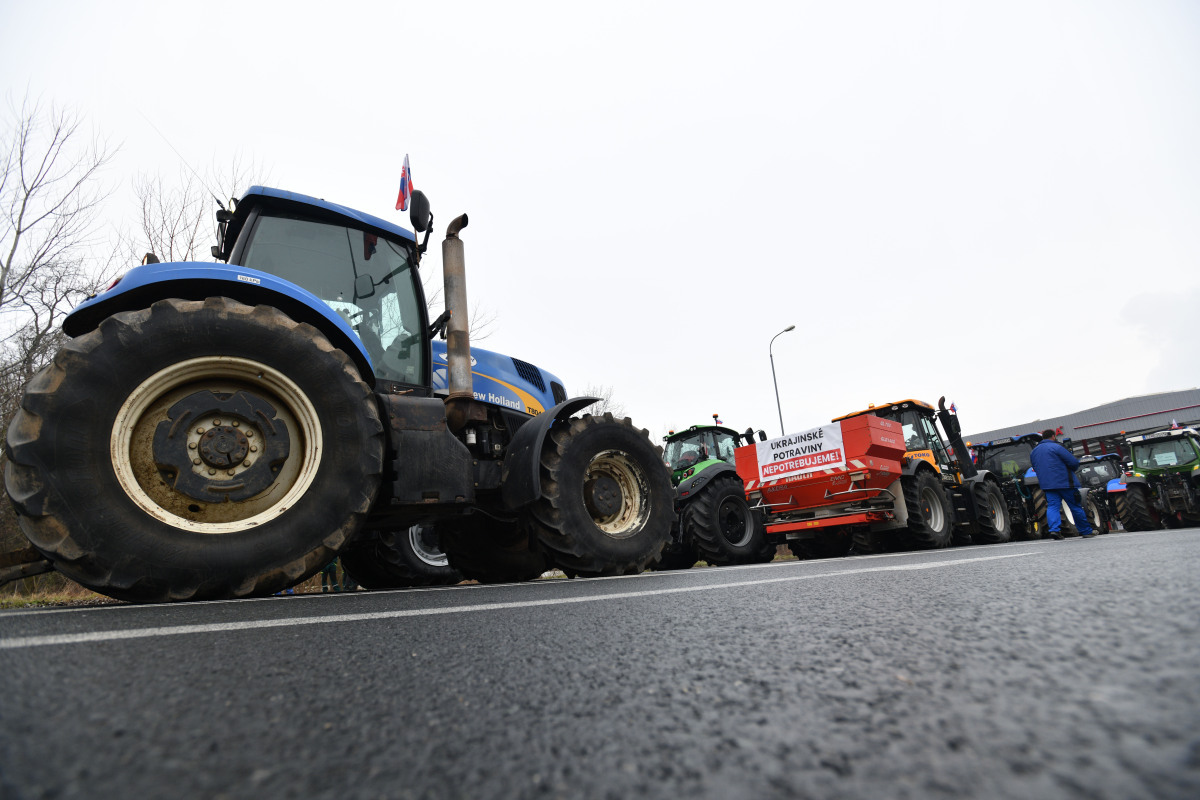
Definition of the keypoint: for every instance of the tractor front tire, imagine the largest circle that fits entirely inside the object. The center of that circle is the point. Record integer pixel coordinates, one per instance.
(930, 517)
(607, 503)
(1135, 510)
(1095, 514)
(398, 559)
(994, 525)
(726, 532)
(194, 450)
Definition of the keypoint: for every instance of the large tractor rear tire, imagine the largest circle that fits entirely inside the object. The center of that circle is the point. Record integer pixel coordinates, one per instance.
(607, 503)
(398, 559)
(930, 517)
(194, 450)
(725, 530)
(1135, 510)
(994, 526)
(1041, 525)
(490, 551)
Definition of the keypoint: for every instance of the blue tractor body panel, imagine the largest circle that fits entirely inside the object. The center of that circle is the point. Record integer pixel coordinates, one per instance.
(195, 280)
(368, 220)
(502, 380)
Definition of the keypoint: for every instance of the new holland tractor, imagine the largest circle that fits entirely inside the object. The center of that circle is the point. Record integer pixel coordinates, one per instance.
(1161, 486)
(392, 559)
(217, 430)
(875, 479)
(713, 521)
(1097, 475)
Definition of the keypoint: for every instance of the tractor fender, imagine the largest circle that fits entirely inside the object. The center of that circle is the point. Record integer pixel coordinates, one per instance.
(1127, 480)
(969, 483)
(1116, 485)
(143, 286)
(522, 466)
(909, 466)
(692, 485)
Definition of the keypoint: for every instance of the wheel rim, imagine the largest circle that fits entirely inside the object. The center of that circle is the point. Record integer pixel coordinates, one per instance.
(616, 494)
(733, 522)
(423, 540)
(167, 464)
(935, 516)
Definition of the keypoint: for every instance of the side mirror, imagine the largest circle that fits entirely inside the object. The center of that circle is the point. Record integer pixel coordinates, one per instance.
(364, 286)
(418, 211)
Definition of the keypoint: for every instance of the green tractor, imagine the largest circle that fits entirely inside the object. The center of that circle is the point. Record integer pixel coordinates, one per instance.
(713, 521)
(1161, 487)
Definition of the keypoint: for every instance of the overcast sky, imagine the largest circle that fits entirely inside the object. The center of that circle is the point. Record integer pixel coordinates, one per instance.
(998, 202)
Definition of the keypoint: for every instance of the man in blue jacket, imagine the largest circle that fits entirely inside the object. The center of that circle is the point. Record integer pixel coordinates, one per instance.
(1055, 467)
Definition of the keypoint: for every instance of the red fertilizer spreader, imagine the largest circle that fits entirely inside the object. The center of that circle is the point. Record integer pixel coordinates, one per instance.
(862, 488)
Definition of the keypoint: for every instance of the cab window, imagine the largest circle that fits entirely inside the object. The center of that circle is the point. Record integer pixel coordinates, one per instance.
(333, 262)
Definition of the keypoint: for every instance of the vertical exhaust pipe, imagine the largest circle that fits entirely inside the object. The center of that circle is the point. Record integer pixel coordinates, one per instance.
(458, 339)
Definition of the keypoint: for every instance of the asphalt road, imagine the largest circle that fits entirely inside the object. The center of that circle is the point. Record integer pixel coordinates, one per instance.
(1031, 670)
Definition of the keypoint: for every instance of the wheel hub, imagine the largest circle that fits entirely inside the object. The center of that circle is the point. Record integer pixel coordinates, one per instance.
(217, 446)
(223, 446)
(733, 524)
(602, 494)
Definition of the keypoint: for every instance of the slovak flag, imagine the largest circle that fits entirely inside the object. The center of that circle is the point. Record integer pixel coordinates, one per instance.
(405, 186)
(953, 410)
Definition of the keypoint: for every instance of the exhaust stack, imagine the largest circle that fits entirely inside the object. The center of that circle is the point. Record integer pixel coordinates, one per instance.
(458, 339)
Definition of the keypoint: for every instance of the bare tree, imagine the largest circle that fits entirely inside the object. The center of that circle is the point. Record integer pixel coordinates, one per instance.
(606, 403)
(50, 196)
(177, 221)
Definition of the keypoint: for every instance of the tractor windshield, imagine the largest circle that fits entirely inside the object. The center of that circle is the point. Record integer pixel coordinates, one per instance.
(686, 451)
(366, 278)
(1007, 460)
(1096, 473)
(1163, 453)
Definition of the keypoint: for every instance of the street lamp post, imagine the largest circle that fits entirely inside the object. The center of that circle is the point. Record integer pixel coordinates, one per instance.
(782, 432)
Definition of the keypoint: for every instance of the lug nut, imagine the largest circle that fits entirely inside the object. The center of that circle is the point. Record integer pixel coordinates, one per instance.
(196, 461)
(192, 446)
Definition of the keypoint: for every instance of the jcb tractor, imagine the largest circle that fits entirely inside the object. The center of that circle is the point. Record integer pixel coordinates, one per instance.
(713, 522)
(873, 474)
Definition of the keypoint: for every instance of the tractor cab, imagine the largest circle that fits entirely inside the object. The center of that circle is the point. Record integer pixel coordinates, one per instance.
(363, 267)
(1096, 472)
(921, 437)
(690, 451)
(1176, 450)
(1007, 458)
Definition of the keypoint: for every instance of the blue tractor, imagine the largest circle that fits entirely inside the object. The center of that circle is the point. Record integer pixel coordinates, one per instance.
(1008, 460)
(216, 430)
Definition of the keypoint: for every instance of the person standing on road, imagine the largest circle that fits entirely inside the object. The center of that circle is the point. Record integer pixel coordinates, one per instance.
(1055, 467)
